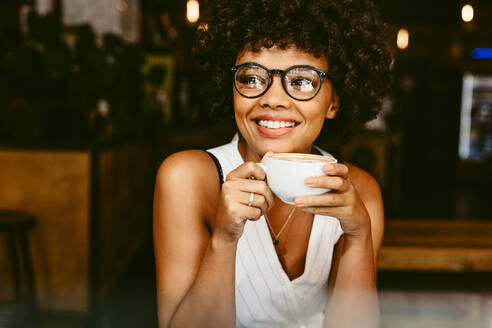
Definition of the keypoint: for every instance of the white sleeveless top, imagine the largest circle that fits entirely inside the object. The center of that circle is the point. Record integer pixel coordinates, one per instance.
(265, 296)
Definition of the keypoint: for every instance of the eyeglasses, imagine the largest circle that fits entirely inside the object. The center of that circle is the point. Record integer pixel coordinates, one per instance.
(300, 82)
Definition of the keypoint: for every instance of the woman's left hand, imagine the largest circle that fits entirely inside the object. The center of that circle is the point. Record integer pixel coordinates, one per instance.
(342, 201)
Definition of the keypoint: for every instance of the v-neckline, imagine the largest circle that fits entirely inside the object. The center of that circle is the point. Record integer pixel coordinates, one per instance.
(265, 233)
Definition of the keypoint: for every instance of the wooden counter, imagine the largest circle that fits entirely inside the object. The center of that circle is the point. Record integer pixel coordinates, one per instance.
(437, 245)
(93, 211)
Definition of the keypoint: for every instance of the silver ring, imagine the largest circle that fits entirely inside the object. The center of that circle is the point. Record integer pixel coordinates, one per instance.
(251, 197)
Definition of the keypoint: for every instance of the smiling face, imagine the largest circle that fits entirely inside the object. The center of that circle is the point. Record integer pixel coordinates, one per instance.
(275, 121)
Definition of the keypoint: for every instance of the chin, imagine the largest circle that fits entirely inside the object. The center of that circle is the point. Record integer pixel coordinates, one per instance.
(279, 149)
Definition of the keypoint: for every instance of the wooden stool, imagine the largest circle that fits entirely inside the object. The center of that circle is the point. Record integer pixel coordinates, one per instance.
(15, 225)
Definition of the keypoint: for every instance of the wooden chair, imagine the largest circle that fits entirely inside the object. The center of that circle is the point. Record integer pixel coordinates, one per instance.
(16, 225)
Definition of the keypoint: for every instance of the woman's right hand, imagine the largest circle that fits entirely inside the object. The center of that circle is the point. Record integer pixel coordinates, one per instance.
(233, 209)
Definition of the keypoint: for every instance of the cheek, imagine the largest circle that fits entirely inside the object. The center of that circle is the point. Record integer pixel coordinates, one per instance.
(317, 111)
(325, 94)
(242, 107)
(242, 104)
(238, 103)
(322, 105)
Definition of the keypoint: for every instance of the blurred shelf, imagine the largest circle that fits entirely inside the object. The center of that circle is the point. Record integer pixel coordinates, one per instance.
(433, 245)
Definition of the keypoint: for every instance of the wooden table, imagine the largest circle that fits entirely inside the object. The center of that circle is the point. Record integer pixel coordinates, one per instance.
(437, 245)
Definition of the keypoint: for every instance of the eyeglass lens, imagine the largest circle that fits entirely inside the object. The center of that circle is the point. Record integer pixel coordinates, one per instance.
(299, 82)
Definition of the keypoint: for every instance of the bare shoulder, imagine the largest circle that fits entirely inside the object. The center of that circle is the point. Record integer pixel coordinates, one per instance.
(185, 197)
(181, 162)
(191, 176)
(366, 184)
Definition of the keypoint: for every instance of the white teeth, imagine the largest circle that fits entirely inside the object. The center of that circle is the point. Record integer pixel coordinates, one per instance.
(276, 124)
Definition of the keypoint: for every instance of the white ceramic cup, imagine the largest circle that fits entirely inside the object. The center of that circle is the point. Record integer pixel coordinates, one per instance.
(286, 174)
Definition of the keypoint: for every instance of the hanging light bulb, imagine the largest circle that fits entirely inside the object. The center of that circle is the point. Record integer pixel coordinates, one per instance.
(192, 11)
(467, 13)
(402, 38)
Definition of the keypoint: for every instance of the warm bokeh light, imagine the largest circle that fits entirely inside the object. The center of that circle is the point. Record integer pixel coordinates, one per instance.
(202, 27)
(122, 6)
(192, 11)
(402, 38)
(467, 13)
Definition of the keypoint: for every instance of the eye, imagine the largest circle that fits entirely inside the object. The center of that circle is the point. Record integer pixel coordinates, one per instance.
(302, 84)
(252, 81)
(303, 80)
(249, 79)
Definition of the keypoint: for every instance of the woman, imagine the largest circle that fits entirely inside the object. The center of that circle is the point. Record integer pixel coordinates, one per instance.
(228, 251)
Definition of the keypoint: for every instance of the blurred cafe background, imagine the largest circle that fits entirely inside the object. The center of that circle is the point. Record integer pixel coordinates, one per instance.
(94, 94)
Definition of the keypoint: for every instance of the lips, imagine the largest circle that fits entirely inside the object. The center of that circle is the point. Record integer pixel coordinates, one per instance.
(274, 125)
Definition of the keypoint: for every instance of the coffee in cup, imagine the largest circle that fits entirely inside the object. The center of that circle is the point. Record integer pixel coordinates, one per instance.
(286, 174)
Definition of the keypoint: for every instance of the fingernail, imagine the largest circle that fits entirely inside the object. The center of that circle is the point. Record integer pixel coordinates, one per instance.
(300, 201)
(310, 180)
(329, 168)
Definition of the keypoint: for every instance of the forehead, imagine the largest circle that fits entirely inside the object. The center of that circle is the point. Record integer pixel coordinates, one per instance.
(277, 58)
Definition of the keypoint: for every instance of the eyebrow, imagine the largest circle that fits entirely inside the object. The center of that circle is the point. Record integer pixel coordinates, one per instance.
(280, 69)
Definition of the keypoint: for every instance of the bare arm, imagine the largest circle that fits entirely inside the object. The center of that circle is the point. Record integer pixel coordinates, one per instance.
(188, 262)
(196, 270)
(353, 298)
(357, 202)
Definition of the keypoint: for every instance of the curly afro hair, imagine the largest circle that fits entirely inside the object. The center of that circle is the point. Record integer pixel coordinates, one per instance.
(347, 32)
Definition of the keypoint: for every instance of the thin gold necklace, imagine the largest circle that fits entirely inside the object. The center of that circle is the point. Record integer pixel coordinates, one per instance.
(276, 236)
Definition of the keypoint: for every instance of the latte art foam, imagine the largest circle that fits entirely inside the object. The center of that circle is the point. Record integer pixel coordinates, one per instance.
(303, 158)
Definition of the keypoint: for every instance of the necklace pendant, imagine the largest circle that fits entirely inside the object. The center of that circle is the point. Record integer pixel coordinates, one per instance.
(275, 236)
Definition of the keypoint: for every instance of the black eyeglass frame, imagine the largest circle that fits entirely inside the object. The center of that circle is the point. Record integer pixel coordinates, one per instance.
(283, 73)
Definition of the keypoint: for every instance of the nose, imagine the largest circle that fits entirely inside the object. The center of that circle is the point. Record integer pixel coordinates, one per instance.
(275, 97)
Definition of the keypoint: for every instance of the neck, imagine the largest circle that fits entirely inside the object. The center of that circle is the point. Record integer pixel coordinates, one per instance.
(247, 153)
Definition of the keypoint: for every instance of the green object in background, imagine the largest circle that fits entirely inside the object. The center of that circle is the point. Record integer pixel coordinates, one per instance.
(158, 72)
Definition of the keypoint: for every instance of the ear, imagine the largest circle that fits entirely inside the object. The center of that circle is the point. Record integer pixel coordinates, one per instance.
(333, 107)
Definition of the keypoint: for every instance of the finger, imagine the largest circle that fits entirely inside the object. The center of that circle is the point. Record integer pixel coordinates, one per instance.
(258, 201)
(265, 156)
(327, 199)
(269, 198)
(336, 169)
(256, 186)
(251, 212)
(334, 211)
(246, 170)
(337, 183)
(247, 186)
(259, 188)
